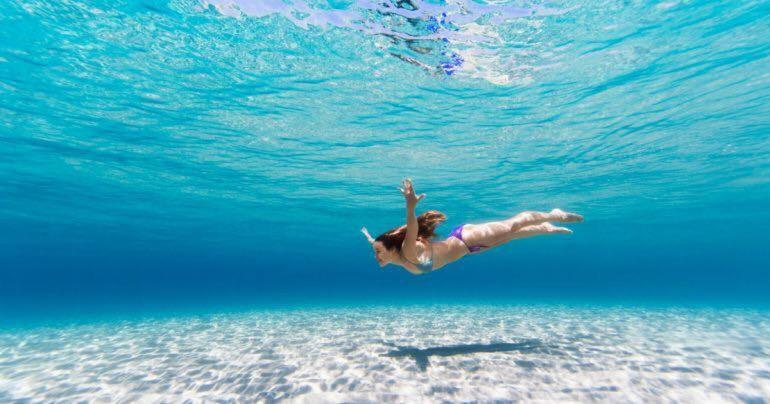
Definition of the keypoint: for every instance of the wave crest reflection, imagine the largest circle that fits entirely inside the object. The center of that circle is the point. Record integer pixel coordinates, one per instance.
(453, 38)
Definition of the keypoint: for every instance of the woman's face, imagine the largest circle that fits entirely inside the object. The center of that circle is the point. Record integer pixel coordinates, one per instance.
(382, 254)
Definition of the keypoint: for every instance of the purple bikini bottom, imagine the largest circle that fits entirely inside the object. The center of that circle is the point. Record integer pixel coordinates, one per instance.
(458, 233)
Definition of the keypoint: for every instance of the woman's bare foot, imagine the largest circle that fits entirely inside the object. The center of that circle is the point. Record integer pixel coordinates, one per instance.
(566, 217)
(549, 228)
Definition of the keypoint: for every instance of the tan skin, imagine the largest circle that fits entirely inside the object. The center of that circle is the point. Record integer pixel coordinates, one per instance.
(490, 234)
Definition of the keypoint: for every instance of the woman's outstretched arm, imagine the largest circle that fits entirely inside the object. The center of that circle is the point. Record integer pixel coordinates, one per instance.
(409, 247)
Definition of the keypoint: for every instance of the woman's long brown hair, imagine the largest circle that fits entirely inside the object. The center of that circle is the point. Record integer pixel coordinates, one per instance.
(426, 223)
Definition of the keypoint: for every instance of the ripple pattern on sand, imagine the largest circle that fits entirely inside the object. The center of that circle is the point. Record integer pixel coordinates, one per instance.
(366, 355)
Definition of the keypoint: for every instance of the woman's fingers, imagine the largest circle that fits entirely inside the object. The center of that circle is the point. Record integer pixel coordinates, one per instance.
(408, 188)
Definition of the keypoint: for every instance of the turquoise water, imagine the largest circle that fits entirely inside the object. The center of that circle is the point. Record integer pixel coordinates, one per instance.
(171, 154)
(182, 185)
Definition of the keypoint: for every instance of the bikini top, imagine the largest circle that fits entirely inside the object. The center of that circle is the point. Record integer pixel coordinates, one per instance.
(426, 266)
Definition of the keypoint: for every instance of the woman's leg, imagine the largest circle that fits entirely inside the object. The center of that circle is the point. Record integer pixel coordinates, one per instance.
(525, 224)
(531, 217)
(537, 230)
(533, 230)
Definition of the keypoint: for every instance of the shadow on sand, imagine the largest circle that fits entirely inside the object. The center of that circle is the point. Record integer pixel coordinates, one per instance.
(421, 355)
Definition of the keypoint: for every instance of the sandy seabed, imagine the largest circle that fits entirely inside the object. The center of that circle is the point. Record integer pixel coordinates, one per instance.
(405, 354)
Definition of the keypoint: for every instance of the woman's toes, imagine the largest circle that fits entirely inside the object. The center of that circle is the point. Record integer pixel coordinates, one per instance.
(574, 217)
(556, 229)
(563, 216)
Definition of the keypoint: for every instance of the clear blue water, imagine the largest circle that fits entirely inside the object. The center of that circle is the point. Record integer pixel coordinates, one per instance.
(182, 185)
(175, 155)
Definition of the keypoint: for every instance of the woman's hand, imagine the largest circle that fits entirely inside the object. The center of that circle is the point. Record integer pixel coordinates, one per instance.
(408, 191)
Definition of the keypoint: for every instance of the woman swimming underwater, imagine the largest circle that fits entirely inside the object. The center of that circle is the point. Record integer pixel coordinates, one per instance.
(411, 247)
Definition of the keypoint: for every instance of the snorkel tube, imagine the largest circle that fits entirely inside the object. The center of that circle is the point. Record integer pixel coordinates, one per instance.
(369, 237)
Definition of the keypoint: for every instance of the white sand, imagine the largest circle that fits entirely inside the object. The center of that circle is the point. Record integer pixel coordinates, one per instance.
(338, 355)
